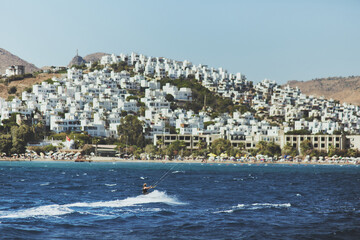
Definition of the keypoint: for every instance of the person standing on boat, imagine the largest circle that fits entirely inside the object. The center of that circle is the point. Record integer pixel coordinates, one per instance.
(145, 189)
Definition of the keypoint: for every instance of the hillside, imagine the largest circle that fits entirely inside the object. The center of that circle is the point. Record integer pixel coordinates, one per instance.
(344, 89)
(7, 59)
(21, 85)
(94, 57)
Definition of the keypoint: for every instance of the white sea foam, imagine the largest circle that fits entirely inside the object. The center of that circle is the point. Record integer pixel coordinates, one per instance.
(45, 184)
(58, 210)
(255, 206)
(178, 172)
(42, 211)
(153, 197)
(110, 184)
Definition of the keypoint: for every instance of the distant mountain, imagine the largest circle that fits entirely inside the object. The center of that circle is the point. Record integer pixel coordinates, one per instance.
(7, 59)
(94, 57)
(344, 89)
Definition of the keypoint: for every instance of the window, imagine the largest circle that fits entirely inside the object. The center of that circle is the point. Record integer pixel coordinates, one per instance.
(315, 145)
(322, 145)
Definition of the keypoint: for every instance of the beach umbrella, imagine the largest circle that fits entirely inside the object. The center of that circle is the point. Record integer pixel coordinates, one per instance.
(224, 155)
(212, 155)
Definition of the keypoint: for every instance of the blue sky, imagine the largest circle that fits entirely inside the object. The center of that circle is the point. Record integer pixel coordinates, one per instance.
(279, 39)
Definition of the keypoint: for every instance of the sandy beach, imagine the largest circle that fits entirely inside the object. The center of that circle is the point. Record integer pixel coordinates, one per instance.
(116, 159)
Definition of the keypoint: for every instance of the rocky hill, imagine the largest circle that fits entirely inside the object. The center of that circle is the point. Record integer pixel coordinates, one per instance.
(94, 57)
(7, 59)
(77, 60)
(344, 89)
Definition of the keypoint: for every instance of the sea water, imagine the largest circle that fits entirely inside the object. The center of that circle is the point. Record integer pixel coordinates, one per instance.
(55, 200)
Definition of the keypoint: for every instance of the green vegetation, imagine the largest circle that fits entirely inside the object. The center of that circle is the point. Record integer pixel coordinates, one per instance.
(12, 90)
(61, 71)
(289, 150)
(131, 131)
(96, 66)
(169, 97)
(208, 123)
(28, 89)
(175, 148)
(121, 66)
(298, 132)
(221, 146)
(267, 148)
(215, 102)
(49, 81)
(19, 77)
(82, 66)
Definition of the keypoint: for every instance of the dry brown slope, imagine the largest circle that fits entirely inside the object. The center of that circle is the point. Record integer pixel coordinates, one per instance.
(344, 89)
(21, 85)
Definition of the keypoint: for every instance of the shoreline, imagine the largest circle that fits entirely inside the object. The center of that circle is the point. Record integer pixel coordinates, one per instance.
(114, 159)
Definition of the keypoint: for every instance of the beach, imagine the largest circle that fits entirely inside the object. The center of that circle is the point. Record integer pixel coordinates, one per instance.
(190, 160)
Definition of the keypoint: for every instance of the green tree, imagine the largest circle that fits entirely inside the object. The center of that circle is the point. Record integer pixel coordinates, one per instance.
(175, 148)
(331, 151)
(288, 149)
(8, 123)
(306, 147)
(169, 97)
(20, 137)
(220, 145)
(268, 148)
(12, 90)
(5, 143)
(130, 131)
(150, 149)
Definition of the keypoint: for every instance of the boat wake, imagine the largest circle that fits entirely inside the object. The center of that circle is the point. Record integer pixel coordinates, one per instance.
(255, 206)
(80, 207)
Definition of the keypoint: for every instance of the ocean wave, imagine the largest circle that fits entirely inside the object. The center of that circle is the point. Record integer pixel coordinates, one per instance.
(42, 211)
(153, 197)
(58, 210)
(255, 206)
(110, 184)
